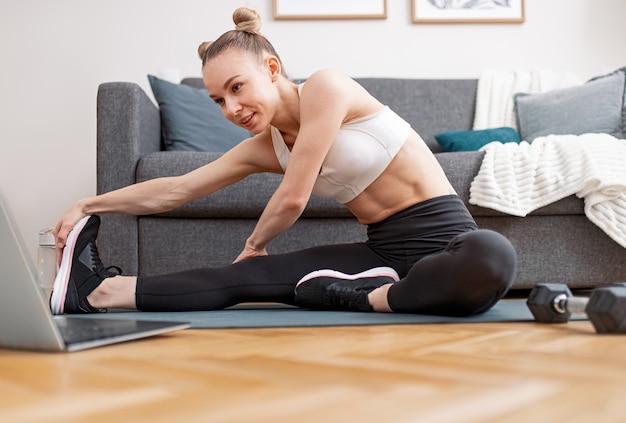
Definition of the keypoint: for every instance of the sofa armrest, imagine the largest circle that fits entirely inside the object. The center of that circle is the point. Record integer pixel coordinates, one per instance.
(128, 128)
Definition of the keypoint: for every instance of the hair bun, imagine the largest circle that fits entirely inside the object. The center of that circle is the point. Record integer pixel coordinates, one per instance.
(202, 48)
(247, 20)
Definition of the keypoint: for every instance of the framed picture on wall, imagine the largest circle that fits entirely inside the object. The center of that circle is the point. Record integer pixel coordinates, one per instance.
(330, 9)
(468, 11)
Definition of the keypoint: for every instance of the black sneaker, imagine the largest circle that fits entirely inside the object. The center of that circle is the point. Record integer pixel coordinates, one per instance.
(81, 270)
(332, 290)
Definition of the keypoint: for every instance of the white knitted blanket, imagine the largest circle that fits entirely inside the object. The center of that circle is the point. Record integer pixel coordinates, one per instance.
(495, 106)
(519, 178)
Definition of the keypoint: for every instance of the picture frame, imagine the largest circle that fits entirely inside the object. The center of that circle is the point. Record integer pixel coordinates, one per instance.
(330, 9)
(467, 11)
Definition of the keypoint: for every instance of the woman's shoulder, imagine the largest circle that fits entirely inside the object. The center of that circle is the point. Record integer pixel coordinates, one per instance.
(331, 84)
(329, 80)
(328, 75)
(347, 95)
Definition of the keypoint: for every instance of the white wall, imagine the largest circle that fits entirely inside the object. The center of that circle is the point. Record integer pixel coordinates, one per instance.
(55, 53)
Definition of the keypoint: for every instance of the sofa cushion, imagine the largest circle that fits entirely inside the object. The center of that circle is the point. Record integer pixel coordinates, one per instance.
(191, 121)
(452, 141)
(598, 106)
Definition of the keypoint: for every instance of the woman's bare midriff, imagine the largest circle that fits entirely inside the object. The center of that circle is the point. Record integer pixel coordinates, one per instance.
(413, 176)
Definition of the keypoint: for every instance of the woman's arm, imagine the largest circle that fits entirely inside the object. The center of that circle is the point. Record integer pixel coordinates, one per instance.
(167, 193)
(325, 103)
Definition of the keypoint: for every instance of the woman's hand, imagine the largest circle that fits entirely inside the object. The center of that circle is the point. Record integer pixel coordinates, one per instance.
(249, 252)
(64, 227)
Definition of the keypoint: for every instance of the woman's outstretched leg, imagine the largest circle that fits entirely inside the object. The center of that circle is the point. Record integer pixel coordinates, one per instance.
(84, 285)
(269, 278)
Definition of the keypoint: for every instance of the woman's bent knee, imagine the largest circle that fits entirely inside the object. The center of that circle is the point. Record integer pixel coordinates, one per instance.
(473, 273)
(490, 269)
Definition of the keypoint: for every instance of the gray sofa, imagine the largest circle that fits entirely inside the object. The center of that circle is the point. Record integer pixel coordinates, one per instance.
(554, 244)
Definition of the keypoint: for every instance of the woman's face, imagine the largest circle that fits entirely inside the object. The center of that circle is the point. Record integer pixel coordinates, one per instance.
(242, 86)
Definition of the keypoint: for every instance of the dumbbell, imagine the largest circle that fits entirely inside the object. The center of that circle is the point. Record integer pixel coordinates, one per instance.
(605, 308)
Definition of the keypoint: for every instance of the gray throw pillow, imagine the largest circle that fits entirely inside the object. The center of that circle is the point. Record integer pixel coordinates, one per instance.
(595, 107)
(191, 121)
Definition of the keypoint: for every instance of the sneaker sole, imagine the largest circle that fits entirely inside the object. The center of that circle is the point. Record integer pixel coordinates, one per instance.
(371, 273)
(59, 289)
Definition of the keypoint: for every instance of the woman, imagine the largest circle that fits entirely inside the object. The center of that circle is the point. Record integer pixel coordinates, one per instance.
(329, 137)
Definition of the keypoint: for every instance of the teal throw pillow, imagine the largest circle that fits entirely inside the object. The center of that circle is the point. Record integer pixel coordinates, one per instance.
(598, 106)
(191, 121)
(474, 140)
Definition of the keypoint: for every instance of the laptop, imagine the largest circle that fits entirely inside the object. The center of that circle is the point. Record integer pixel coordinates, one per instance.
(26, 321)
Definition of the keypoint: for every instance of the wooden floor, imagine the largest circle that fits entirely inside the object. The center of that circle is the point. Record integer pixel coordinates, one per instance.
(491, 372)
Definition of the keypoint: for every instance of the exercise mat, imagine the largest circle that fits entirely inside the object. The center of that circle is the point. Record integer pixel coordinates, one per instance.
(280, 315)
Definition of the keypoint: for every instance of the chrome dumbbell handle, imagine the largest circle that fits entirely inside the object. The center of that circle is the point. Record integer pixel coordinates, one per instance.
(575, 305)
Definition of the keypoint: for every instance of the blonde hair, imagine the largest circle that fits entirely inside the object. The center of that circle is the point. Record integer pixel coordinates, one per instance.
(246, 37)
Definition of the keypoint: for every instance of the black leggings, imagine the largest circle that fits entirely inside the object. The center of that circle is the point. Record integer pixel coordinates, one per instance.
(446, 264)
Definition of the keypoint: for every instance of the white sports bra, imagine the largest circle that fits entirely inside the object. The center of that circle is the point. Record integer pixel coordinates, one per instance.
(361, 151)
